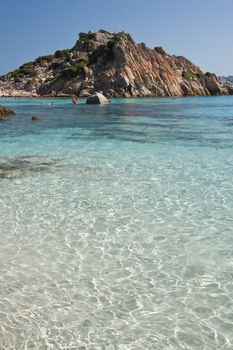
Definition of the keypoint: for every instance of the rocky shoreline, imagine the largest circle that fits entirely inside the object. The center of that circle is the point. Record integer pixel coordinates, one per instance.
(111, 63)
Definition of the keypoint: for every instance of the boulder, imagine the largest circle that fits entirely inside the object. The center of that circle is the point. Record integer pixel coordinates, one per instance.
(97, 99)
(5, 112)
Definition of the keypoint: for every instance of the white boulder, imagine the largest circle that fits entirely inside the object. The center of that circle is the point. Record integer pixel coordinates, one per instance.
(97, 99)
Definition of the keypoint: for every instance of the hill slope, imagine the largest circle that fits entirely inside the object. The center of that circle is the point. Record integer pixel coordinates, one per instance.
(227, 80)
(114, 64)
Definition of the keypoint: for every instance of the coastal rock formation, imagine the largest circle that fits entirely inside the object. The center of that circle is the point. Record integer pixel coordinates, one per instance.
(5, 112)
(114, 64)
(97, 99)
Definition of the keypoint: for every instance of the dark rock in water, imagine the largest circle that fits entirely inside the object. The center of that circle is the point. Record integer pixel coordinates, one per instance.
(35, 117)
(97, 99)
(5, 112)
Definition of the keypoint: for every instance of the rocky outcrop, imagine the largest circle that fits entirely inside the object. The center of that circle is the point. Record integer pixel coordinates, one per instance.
(114, 64)
(5, 112)
(97, 99)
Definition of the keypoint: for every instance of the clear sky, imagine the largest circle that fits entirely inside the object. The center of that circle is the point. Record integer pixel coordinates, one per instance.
(201, 30)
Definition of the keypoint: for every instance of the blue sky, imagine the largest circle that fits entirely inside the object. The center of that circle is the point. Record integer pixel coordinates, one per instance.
(201, 30)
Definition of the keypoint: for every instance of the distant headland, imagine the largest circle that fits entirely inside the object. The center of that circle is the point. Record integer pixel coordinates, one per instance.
(115, 65)
(227, 79)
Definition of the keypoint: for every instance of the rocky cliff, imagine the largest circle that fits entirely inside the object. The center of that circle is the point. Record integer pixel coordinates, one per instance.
(113, 64)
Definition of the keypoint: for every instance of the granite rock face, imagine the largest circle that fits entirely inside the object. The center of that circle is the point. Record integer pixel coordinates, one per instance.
(115, 65)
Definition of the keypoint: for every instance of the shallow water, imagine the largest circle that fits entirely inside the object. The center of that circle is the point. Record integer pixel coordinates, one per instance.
(116, 225)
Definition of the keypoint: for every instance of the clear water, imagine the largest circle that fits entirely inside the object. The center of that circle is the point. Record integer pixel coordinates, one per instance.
(116, 225)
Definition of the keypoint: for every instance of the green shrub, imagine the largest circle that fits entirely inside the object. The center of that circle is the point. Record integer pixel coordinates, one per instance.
(92, 58)
(48, 80)
(112, 42)
(25, 70)
(81, 64)
(105, 51)
(189, 74)
(69, 73)
(120, 34)
(31, 82)
(62, 53)
(17, 74)
(28, 70)
(55, 65)
(73, 71)
(160, 50)
(143, 45)
(199, 75)
(87, 36)
(47, 58)
(27, 64)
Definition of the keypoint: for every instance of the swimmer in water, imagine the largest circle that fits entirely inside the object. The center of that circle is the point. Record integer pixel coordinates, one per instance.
(74, 99)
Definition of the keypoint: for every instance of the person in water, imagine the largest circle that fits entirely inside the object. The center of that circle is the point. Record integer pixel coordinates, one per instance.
(74, 99)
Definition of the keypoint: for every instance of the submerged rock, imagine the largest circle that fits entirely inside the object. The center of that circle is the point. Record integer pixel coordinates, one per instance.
(11, 168)
(5, 112)
(97, 99)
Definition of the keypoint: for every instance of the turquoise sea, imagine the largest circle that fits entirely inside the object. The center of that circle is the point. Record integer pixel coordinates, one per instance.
(116, 225)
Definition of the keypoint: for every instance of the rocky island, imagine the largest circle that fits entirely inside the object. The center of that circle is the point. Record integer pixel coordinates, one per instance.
(115, 65)
(5, 112)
